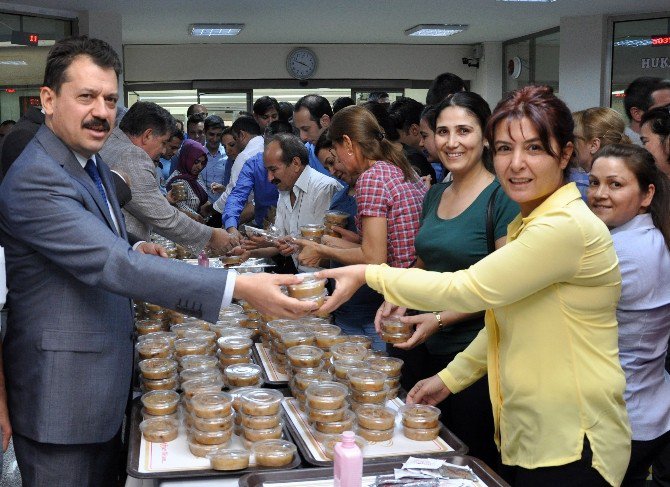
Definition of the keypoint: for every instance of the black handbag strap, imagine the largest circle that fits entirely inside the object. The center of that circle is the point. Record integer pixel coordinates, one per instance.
(490, 239)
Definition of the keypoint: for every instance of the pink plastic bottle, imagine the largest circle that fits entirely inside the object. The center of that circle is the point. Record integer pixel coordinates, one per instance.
(348, 466)
(203, 260)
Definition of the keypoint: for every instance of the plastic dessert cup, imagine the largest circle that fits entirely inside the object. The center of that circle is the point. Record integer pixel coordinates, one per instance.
(213, 424)
(274, 453)
(225, 460)
(327, 395)
(310, 287)
(260, 422)
(234, 345)
(212, 437)
(160, 403)
(304, 356)
(366, 380)
(158, 368)
(154, 348)
(159, 430)
(394, 326)
(326, 415)
(254, 435)
(374, 417)
(370, 397)
(421, 434)
(390, 365)
(376, 435)
(342, 367)
(212, 405)
(242, 375)
(197, 362)
(261, 402)
(337, 427)
(395, 337)
(350, 351)
(420, 416)
(190, 346)
(169, 383)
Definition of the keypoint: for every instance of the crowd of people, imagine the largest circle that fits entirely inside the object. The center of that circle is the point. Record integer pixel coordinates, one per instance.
(527, 246)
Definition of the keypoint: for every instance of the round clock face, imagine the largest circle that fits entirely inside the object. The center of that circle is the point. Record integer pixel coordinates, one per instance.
(301, 63)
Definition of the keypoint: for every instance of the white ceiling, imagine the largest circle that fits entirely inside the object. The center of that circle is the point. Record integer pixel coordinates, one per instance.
(341, 21)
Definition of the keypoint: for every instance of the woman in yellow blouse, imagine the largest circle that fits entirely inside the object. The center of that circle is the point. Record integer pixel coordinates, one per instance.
(550, 341)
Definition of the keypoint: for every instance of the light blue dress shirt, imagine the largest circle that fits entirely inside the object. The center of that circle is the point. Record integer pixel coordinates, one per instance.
(643, 314)
(214, 171)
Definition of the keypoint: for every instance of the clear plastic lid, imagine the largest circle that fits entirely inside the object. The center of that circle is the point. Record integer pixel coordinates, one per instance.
(304, 356)
(157, 368)
(327, 395)
(197, 362)
(194, 386)
(372, 416)
(393, 325)
(274, 452)
(231, 309)
(420, 415)
(309, 286)
(215, 403)
(261, 402)
(153, 347)
(244, 371)
(159, 429)
(390, 365)
(352, 351)
(234, 345)
(226, 459)
(366, 379)
(366, 341)
(295, 338)
(210, 373)
(190, 346)
(160, 400)
(302, 380)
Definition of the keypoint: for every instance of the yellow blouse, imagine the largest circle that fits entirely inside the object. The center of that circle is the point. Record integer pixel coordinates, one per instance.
(550, 341)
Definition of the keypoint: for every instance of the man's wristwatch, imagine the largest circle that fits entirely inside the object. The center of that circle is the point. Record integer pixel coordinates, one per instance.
(440, 325)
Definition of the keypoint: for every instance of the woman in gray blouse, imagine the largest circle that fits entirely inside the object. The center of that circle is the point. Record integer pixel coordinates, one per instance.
(631, 196)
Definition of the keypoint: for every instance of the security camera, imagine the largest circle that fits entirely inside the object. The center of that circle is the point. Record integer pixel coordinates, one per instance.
(470, 62)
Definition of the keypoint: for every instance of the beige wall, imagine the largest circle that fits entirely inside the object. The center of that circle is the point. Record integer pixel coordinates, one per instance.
(148, 63)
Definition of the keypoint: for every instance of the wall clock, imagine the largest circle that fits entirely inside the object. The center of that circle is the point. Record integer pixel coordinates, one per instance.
(301, 63)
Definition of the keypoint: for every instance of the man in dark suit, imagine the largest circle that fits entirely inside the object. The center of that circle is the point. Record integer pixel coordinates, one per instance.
(68, 350)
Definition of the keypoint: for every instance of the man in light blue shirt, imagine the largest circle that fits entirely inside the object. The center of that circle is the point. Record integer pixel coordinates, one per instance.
(216, 156)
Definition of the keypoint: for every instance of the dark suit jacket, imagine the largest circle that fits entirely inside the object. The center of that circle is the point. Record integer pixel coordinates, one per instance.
(68, 351)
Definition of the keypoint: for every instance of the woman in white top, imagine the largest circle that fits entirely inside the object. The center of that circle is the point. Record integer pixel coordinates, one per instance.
(629, 193)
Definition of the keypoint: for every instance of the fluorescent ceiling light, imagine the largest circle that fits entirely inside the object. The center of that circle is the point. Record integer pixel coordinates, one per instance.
(633, 42)
(435, 30)
(14, 63)
(528, 1)
(206, 30)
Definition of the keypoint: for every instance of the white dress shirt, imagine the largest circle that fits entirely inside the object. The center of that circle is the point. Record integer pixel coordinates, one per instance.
(254, 146)
(313, 193)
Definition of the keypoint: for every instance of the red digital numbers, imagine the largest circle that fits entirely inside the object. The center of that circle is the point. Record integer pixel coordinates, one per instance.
(660, 40)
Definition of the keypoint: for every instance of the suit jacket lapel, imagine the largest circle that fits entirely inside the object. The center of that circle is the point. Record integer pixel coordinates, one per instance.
(66, 158)
(108, 183)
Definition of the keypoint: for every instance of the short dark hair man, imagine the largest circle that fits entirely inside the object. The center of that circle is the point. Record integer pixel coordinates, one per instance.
(381, 97)
(69, 341)
(442, 86)
(311, 116)
(195, 127)
(213, 173)
(196, 108)
(342, 102)
(5, 127)
(406, 115)
(640, 95)
(266, 111)
(247, 134)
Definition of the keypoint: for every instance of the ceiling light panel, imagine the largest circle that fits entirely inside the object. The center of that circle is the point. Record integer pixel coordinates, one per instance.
(435, 30)
(209, 30)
